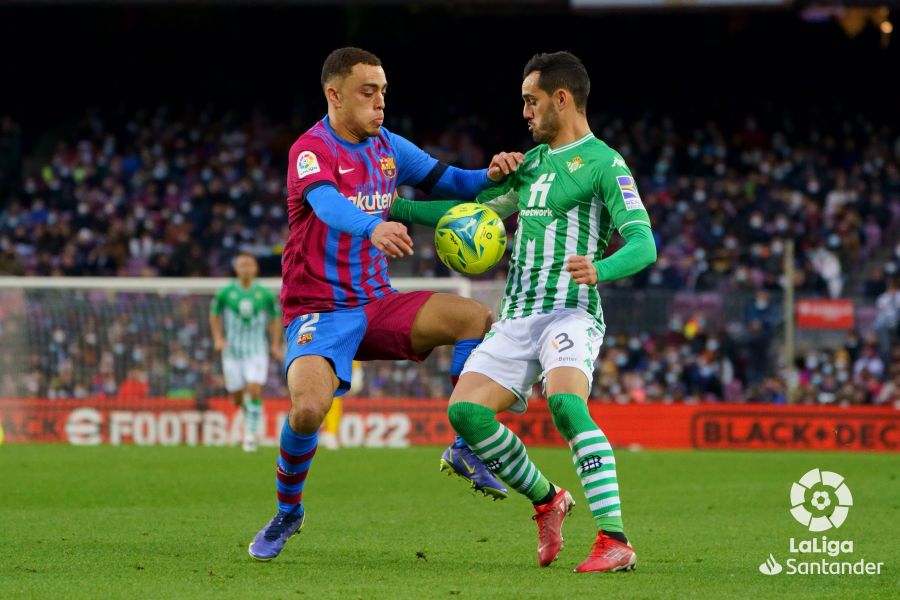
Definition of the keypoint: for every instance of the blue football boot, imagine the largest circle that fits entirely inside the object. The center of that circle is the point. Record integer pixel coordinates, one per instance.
(459, 460)
(271, 539)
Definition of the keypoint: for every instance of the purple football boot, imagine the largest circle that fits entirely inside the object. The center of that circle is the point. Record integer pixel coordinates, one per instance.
(459, 460)
(271, 539)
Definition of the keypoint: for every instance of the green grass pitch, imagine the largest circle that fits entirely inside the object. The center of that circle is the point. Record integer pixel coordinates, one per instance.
(128, 522)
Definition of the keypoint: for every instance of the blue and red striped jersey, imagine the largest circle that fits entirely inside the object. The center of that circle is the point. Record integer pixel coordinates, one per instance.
(324, 269)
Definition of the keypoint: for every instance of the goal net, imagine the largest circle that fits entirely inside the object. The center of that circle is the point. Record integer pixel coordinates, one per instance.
(71, 338)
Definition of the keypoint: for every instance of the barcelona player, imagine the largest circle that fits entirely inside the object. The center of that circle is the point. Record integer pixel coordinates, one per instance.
(337, 300)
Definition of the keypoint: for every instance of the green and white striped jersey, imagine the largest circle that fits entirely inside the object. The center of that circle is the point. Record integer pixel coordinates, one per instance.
(247, 312)
(569, 201)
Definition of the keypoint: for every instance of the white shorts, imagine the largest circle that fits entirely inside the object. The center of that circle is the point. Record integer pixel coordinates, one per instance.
(517, 353)
(239, 372)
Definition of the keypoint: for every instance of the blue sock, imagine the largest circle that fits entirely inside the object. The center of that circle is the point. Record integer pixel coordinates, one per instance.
(295, 455)
(461, 353)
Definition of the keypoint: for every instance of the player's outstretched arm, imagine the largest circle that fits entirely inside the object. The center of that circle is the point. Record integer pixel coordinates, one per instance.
(421, 213)
(419, 169)
(463, 183)
(430, 212)
(638, 253)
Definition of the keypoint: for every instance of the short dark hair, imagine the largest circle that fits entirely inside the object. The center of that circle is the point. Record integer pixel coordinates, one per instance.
(561, 70)
(341, 61)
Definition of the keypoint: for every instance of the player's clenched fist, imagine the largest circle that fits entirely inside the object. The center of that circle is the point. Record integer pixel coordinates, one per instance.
(503, 164)
(392, 239)
(582, 270)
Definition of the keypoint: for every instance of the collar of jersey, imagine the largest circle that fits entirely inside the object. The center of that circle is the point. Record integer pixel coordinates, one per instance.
(342, 141)
(571, 145)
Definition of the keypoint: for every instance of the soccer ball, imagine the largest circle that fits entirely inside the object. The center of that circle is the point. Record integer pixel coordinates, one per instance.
(470, 238)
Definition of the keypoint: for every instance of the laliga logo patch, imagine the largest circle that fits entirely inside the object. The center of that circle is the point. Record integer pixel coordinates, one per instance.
(820, 500)
(307, 164)
(388, 167)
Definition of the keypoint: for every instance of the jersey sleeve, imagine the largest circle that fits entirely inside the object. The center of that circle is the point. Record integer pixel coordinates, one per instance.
(311, 165)
(413, 163)
(502, 197)
(218, 303)
(615, 186)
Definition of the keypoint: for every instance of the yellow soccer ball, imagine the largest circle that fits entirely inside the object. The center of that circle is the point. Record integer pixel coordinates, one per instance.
(470, 238)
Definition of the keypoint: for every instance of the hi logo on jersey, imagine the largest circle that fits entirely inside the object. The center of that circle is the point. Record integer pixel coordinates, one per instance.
(388, 166)
(629, 192)
(574, 164)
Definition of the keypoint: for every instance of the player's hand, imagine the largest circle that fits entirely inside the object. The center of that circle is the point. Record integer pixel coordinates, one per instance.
(219, 344)
(503, 164)
(582, 270)
(392, 239)
(277, 351)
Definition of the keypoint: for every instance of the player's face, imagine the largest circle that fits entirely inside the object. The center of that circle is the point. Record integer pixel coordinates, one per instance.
(362, 100)
(540, 110)
(245, 268)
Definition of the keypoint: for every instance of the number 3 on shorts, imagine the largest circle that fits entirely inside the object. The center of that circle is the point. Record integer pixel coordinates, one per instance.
(562, 342)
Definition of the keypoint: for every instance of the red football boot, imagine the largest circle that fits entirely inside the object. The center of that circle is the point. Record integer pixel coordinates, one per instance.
(549, 519)
(607, 555)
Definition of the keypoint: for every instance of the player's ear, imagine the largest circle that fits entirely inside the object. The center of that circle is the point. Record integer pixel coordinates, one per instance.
(333, 96)
(561, 98)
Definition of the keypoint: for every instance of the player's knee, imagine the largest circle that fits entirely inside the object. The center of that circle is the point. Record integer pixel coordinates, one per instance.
(306, 420)
(477, 321)
(488, 318)
(456, 413)
(307, 414)
(567, 410)
(467, 417)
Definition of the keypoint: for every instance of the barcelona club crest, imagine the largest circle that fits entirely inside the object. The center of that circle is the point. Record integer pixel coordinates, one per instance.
(304, 338)
(388, 167)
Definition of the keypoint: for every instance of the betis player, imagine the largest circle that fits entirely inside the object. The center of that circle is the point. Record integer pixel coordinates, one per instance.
(571, 192)
(239, 316)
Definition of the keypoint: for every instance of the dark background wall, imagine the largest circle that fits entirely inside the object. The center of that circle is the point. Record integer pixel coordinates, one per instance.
(56, 61)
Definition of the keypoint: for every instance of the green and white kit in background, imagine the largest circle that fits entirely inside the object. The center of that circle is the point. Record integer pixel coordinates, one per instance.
(569, 200)
(246, 313)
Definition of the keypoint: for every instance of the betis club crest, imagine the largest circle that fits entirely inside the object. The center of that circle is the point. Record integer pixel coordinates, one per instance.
(388, 167)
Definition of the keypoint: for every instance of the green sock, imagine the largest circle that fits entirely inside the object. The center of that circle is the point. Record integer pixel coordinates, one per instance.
(252, 414)
(498, 447)
(593, 458)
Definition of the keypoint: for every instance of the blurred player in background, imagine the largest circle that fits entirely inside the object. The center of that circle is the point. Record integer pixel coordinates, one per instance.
(248, 310)
(571, 192)
(336, 294)
(330, 435)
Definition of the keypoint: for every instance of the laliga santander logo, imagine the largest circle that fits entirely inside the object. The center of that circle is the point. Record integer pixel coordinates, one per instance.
(820, 500)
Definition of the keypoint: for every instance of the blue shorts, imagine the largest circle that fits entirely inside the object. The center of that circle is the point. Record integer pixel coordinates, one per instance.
(380, 330)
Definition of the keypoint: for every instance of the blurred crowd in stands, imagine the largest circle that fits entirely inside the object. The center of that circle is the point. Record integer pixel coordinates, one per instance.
(178, 192)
